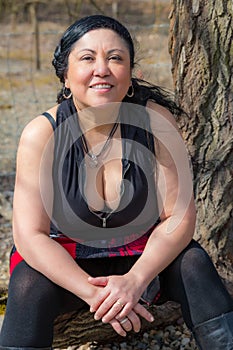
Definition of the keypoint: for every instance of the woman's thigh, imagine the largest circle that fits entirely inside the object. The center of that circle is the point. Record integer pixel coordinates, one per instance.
(189, 279)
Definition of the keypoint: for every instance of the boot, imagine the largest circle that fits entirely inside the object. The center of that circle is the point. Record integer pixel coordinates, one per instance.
(215, 334)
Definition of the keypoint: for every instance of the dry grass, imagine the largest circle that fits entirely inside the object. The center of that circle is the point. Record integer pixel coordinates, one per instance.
(26, 92)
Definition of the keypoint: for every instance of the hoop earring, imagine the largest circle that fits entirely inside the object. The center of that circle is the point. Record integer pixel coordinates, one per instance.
(64, 93)
(132, 91)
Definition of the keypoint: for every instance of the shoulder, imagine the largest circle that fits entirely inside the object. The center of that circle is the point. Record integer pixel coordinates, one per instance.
(168, 141)
(38, 131)
(157, 111)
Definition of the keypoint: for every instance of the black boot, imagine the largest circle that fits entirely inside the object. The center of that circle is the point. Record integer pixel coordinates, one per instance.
(215, 334)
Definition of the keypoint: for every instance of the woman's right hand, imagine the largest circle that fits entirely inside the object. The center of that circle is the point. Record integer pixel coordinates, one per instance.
(121, 329)
(127, 324)
(120, 324)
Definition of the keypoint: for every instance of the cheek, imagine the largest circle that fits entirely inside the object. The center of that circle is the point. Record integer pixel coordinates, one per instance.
(128, 82)
(125, 77)
(129, 78)
(78, 76)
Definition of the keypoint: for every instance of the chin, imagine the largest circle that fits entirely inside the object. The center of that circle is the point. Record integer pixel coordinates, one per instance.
(103, 102)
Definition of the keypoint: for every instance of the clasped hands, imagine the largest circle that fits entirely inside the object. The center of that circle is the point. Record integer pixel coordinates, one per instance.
(117, 303)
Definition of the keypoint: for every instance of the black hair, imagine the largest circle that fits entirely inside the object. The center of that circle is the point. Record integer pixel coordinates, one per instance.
(143, 90)
(76, 31)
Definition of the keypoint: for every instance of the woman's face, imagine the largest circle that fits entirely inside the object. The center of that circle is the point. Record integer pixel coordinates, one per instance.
(98, 69)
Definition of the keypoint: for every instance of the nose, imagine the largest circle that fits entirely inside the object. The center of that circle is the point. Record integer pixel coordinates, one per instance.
(101, 67)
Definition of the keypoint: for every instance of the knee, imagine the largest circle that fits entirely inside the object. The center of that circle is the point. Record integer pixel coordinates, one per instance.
(196, 263)
(29, 284)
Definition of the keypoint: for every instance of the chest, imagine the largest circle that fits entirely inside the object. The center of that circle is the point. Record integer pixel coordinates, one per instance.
(118, 191)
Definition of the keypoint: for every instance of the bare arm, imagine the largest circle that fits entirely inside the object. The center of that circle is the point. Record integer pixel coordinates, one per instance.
(31, 218)
(172, 235)
(31, 222)
(174, 183)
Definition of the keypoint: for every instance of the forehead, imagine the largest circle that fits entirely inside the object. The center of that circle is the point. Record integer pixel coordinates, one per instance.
(101, 37)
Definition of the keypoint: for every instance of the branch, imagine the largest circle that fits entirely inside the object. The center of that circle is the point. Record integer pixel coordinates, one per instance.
(96, 6)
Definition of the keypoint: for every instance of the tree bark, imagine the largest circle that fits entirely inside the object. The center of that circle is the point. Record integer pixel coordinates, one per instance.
(79, 327)
(201, 48)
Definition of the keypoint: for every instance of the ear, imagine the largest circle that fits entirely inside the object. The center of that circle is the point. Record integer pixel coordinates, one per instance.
(130, 81)
(66, 82)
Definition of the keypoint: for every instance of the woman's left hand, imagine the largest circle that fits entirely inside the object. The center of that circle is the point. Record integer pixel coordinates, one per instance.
(118, 299)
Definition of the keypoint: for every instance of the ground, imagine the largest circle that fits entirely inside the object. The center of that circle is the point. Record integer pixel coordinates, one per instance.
(27, 92)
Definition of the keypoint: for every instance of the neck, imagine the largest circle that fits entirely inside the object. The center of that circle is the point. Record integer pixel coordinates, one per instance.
(99, 117)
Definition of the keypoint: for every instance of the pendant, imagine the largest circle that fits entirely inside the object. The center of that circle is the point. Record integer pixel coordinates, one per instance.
(93, 161)
(104, 222)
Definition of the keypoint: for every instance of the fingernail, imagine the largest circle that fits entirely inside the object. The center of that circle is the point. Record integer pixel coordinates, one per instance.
(96, 317)
(152, 319)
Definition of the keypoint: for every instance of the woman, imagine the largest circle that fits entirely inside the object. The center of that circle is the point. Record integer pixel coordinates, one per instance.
(103, 207)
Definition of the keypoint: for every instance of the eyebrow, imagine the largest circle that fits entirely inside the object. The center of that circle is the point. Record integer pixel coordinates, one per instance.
(109, 51)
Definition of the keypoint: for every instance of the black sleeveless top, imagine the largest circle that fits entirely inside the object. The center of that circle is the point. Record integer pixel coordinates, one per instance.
(137, 212)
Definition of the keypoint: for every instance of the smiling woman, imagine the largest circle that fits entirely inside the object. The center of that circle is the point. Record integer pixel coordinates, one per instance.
(98, 69)
(103, 206)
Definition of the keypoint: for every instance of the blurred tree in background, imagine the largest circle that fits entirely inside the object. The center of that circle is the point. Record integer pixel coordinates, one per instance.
(201, 48)
(140, 12)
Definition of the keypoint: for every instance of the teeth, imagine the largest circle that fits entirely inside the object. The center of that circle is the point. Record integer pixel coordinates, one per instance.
(101, 86)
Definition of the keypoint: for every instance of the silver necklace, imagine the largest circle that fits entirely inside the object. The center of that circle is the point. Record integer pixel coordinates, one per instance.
(94, 161)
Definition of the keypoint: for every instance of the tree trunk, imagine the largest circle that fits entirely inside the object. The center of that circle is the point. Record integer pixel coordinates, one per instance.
(79, 327)
(201, 48)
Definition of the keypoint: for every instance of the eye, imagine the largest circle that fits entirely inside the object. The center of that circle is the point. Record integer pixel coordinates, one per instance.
(87, 58)
(115, 58)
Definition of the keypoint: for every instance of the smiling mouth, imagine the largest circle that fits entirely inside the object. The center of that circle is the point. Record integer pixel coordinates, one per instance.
(101, 86)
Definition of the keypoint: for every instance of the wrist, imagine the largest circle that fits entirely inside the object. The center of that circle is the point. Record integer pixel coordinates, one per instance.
(141, 275)
(139, 281)
(89, 296)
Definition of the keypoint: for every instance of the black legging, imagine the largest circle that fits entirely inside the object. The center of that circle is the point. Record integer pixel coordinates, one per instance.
(34, 301)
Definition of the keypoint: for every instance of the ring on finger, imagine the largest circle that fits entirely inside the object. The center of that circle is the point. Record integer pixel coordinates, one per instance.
(124, 320)
(119, 303)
